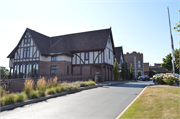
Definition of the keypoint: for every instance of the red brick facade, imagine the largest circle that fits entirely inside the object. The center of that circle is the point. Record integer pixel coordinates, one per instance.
(45, 67)
(133, 58)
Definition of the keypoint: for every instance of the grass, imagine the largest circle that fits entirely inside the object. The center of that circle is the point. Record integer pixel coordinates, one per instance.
(156, 102)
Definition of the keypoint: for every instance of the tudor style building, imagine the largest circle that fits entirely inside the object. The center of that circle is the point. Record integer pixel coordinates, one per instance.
(84, 53)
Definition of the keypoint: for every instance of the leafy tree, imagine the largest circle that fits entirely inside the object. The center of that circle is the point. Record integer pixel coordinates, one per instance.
(131, 71)
(116, 70)
(152, 72)
(167, 62)
(124, 70)
(177, 28)
(4, 72)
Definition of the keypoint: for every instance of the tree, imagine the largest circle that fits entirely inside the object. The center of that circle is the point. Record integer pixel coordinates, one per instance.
(124, 70)
(131, 71)
(116, 70)
(167, 62)
(4, 72)
(152, 72)
(177, 28)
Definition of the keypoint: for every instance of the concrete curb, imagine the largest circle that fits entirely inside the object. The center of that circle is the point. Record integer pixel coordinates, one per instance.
(130, 104)
(44, 98)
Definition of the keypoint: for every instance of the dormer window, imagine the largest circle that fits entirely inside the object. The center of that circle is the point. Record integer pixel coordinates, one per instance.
(54, 58)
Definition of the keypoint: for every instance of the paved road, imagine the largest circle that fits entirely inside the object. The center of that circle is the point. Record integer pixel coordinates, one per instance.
(99, 103)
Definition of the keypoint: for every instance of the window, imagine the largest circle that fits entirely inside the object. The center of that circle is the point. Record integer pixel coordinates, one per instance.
(67, 70)
(25, 41)
(139, 64)
(29, 39)
(26, 52)
(54, 58)
(53, 70)
(35, 70)
(86, 56)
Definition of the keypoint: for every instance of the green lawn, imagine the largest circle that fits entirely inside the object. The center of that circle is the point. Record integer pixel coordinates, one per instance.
(156, 102)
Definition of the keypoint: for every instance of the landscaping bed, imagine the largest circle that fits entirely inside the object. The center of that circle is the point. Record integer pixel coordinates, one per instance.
(43, 90)
(156, 102)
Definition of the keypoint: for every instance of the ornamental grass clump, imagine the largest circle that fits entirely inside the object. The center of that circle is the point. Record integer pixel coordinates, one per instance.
(28, 86)
(51, 91)
(9, 99)
(21, 97)
(33, 95)
(41, 84)
(49, 83)
(55, 81)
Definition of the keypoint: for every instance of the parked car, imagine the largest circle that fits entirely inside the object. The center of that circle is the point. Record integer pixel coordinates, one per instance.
(144, 78)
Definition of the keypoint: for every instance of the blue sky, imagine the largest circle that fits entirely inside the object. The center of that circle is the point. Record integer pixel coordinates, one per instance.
(137, 25)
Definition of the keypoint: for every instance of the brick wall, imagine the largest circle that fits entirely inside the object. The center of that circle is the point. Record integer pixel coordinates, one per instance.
(133, 58)
(45, 67)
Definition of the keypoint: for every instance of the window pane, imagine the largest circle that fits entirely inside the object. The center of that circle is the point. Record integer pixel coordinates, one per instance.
(23, 71)
(27, 53)
(37, 69)
(34, 70)
(86, 55)
(24, 52)
(25, 40)
(27, 70)
(29, 40)
(29, 74)
(17, 71)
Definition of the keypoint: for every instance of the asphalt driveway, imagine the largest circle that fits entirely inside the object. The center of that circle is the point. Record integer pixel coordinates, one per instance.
(105, 102)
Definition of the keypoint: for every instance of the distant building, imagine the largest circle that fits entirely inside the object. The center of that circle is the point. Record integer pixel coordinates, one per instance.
(137, 62)
(146, 69)
(157, 67)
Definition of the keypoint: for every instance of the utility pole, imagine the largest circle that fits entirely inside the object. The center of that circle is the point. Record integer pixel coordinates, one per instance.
(172, 44)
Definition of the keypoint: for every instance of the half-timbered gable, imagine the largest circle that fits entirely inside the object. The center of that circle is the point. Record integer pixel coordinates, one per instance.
(119, 56)
(84, 53)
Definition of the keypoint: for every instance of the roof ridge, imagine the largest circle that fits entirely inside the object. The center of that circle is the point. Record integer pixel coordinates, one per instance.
(38, 32)
(55, 43)
(81, 32)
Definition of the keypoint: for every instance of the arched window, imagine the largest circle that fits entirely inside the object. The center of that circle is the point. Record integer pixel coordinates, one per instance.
(15, 71)
(21, 71)
(27, 71)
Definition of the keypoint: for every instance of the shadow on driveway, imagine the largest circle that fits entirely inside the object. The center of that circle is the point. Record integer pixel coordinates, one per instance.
(128, 85)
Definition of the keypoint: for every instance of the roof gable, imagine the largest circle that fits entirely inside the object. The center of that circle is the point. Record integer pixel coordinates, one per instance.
(70, 43)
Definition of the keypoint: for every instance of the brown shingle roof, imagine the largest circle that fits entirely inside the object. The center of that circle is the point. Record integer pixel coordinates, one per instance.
(118, 53)
(68, 44)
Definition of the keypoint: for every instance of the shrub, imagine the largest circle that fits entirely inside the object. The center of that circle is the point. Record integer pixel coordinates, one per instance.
(41, 93)
(28, 86)
(165, 79)
(91, 82)
(33, 95)
(58, 89)
(9, 99)
(3, 92)
(2, 101)
(21, 97)
(55, 81)
(50, 83)
(41, 84)
(51, 91)
(70, 86)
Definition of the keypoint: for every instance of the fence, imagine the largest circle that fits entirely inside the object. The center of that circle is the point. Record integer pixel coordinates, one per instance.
(17, 85)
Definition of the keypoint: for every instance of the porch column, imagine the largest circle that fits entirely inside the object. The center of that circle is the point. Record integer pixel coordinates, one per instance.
(10, 73)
